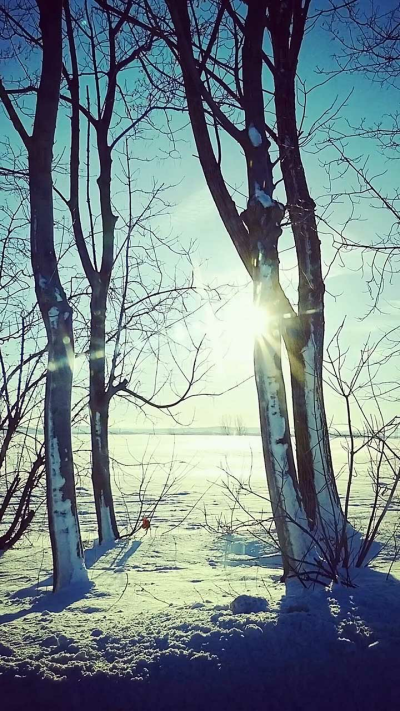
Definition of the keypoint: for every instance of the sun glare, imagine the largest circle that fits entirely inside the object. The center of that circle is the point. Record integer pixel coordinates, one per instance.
(258, 321)
(242, 324)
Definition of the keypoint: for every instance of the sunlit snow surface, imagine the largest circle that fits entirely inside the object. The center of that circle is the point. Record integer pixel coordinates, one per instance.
(156, 629)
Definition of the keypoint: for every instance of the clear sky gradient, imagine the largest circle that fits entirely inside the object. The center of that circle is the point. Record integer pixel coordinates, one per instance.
(229, 327)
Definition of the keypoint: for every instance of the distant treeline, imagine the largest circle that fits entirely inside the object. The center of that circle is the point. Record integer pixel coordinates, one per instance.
(207, 431)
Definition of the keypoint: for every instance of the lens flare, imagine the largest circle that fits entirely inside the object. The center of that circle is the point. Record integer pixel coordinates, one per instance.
(259, 321)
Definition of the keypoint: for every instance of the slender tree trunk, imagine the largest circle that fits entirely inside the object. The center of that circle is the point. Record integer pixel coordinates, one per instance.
(99, 396)
(99, 405)
(286, 503)
(262, 218)
(304, 337)
(68, 561)
(99, 283)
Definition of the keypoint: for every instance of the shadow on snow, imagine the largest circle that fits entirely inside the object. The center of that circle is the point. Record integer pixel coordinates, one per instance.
(43, 600)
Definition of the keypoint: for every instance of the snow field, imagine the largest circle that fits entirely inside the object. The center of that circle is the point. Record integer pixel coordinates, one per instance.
(155, 625)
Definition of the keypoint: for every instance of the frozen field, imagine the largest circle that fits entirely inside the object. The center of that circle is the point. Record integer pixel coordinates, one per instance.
(155, 625)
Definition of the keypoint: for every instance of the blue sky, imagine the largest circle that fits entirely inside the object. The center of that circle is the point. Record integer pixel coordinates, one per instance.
(347, 291)
(193, 217)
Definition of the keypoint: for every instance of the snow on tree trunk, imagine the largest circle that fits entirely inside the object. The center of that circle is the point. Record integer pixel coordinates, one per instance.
(262, 218)
(68, 561)
(304, 341)
(106, 521)
(287, 508)
(304, 337)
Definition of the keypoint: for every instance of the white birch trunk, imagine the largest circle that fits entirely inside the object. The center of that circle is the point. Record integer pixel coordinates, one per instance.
(291, 521)
(68, 559)
(105, 521)
(337, 536)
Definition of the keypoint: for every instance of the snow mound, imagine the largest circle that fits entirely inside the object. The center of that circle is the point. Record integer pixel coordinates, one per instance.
(248, 603)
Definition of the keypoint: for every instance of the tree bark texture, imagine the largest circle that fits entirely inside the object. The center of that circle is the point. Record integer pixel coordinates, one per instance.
(257, 246)
(287, 509)
(304, 336)
(262, 218)
(99, 406)
(99, 281)
(99, 396)
(68, 560)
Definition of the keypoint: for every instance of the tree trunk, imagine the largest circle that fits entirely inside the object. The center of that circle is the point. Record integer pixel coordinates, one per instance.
(99, 404)
(305, 337)
(287, 509)
(99, 396)
(262, 218)
(99, 284)
(258, 242)
(68, 561)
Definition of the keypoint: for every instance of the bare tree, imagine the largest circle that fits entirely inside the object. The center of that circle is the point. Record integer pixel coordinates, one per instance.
(240, 427)
(122, 258)
(226, 425)
(68, 562)
(368, 42)
(133, 301)
(364, 389)
(21, 448)
(224, 52)
(310, 495)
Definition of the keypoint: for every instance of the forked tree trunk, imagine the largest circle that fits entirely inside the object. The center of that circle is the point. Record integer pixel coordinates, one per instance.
(262, 218)
(303, 332)
(258, 242)
(99, 281)
(68, 561)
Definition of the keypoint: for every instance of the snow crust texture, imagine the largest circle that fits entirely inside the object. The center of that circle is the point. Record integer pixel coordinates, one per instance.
(185, 618)
(343, 644)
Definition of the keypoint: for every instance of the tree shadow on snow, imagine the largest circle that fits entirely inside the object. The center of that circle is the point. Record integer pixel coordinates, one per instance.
(123, 549)
(96, 552)
(124, 555)
(344, 643)
(45, 600)
(319, 651)
(330, 647)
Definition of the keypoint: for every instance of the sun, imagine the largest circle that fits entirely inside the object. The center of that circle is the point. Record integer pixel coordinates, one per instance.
(238, 326)
(259, 320)
(247, 321)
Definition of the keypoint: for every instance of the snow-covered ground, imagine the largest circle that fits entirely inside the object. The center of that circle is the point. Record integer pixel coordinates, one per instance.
(155, 626)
